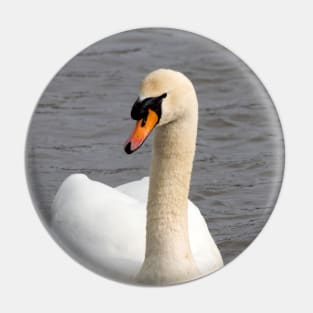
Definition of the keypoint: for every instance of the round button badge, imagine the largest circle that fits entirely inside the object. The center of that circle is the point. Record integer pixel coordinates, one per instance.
(155, 157)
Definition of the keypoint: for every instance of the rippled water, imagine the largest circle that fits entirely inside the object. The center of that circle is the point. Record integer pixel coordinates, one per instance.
(83, 119)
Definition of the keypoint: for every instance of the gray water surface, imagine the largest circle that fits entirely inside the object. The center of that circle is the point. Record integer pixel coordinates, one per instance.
(83, 119)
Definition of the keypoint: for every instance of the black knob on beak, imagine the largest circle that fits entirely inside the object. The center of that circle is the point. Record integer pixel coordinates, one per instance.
(140, 108)
(137, 110)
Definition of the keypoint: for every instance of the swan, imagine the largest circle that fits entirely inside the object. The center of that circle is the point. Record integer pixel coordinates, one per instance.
(146, 231)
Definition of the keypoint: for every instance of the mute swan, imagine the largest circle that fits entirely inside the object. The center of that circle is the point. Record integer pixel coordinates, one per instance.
(130, 233)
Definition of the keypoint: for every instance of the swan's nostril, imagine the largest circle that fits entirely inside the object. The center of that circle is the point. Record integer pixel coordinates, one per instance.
(144, 119)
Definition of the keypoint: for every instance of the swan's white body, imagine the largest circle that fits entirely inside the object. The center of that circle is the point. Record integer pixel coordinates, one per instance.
(105, 227)
(144, 231)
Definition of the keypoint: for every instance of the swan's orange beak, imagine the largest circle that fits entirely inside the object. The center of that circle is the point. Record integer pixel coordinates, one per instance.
(141, 132)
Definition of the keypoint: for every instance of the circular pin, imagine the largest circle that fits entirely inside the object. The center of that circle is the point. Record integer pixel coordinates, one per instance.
(155, 157)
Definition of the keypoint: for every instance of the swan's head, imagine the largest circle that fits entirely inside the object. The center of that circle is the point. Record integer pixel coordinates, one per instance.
(165, 96)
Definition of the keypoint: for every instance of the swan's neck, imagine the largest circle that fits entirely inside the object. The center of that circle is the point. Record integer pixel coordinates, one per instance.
(168, 257)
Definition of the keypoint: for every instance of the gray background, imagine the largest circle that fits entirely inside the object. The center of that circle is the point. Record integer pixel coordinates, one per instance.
(82, 121)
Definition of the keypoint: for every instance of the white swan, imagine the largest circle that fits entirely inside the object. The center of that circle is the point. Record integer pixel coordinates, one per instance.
(133, 234)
